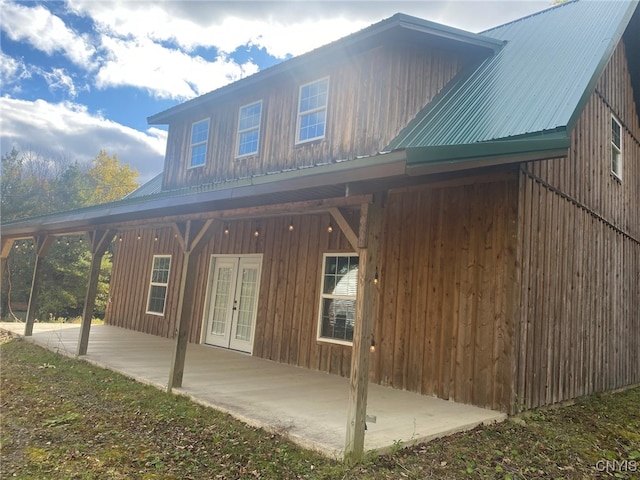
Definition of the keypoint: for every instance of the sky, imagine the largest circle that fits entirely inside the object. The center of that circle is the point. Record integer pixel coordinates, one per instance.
(80, 76)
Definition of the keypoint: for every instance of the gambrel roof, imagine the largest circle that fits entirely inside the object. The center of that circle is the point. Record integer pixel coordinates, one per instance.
(518, 102)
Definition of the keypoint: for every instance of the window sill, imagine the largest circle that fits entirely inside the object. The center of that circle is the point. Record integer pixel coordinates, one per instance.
(330, 341)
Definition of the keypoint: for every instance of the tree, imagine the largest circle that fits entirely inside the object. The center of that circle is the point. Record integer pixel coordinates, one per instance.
(36, 184)
(110, 179)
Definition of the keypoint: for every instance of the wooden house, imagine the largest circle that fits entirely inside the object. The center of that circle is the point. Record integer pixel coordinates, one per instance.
(414, 205)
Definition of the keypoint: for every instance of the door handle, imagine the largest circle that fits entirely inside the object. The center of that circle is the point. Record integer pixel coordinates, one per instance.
(235, 305)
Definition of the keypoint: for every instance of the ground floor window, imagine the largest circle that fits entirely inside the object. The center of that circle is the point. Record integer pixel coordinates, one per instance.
(338, 298)
(158, 284)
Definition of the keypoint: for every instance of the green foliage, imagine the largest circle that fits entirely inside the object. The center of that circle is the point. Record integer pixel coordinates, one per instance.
(34, 185)
(109, 179)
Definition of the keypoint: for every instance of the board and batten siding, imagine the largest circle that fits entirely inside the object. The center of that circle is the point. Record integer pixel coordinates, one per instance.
(131, 277)
(372, 96)
(579, 305)
(445, 325)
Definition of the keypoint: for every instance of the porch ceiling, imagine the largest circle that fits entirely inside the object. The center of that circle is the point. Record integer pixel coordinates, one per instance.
(309, 407)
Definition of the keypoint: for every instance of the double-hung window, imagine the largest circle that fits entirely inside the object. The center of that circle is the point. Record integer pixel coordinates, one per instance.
(199, 139)
(616, 148)
(312, 111)
(249, 129)
(158, 284)
(338, 298)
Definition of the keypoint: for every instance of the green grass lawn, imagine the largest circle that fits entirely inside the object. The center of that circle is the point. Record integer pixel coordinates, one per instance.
(67, 419)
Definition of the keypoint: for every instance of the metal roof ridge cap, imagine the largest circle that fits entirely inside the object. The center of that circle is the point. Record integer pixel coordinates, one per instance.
(446, 31)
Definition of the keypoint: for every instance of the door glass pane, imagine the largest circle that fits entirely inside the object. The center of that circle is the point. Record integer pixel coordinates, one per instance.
(246, 303)
(221, 301)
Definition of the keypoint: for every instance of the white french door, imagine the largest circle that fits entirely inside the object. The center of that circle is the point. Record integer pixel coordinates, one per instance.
(233, 301)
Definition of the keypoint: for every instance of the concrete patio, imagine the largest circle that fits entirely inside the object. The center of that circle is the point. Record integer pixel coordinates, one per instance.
(308, 407)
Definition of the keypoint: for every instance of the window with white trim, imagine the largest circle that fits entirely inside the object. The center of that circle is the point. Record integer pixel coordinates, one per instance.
(616, 148)
(338, 298)
(249, 129)
(158, 284)
(312, 110)
(199, 140)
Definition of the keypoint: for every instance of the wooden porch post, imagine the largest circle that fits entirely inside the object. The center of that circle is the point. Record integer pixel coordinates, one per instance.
(191, 246)
(369, 242)
(42, 244)
(5, 250)
(99, 240)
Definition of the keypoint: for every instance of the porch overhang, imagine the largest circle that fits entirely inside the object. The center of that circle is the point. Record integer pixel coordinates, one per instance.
(335, 180)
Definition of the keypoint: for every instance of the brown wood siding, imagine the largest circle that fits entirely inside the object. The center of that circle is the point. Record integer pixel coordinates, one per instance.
(131, 276)
(445, 320)
(579, 302)
(579, 327)
(371, 98)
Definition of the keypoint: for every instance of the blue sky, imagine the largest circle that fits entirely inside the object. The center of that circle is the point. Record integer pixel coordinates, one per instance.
(79, 76)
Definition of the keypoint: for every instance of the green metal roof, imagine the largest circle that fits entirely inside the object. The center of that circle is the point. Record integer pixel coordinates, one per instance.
(536, 84)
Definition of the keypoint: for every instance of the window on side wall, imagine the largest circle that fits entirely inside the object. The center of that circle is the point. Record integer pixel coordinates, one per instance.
(249, 129)
(312, 111)
(158, 284)
(616, 148)
(199, 140)
(338, 298)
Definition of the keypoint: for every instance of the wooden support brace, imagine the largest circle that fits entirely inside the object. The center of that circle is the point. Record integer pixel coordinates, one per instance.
(369, 243)
(345, 226)
(191, 240)
(42, 244)
(99, 240)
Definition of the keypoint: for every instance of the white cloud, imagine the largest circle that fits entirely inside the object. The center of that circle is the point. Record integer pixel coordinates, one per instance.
(57, 79)
(12, 71)
(69, 130)
(46, 32)
(222, 25)
(165, 72)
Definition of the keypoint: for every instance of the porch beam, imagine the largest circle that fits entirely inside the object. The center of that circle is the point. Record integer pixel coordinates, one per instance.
(369, 243)
(42, 244)
(191, 240)
(345, 226)
(99, 240)
(306, 207)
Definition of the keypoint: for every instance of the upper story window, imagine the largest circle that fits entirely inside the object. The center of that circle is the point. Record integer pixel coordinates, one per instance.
(338, 298)
(249, 129)
(616, 148)
(312, 111)
(199, 139)
(158, 284)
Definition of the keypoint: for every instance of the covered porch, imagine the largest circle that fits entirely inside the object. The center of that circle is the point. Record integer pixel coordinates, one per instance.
(307, 406)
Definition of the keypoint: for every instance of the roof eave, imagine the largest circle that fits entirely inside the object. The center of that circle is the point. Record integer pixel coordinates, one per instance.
(445, 158)
(383, 165)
